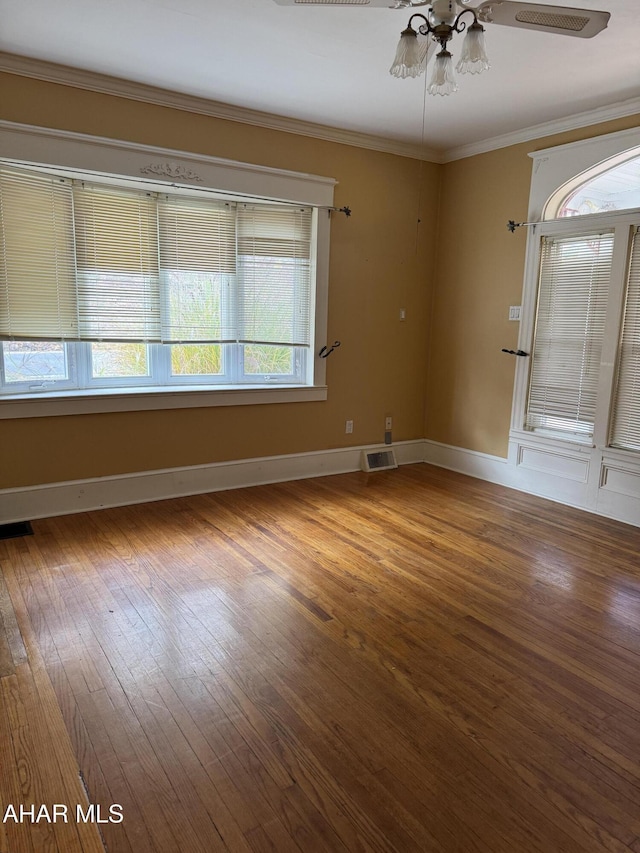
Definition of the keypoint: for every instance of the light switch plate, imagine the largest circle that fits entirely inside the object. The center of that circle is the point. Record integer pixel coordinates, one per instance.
(514, 312)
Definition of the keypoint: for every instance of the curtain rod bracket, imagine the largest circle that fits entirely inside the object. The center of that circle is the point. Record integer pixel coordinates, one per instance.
(346, 210)
(512, 225)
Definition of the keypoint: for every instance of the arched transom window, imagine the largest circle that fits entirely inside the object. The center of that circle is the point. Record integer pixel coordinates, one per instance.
(616, 189)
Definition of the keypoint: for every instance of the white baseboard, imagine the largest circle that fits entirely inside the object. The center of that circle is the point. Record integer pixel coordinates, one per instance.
(504, 472)
(63, 498)
(495, 469)
(562, 482)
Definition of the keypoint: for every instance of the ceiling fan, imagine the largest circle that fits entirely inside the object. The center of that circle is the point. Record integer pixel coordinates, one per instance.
(444, 18)
(563, 20)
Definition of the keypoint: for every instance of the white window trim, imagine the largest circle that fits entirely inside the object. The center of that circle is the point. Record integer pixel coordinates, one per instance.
(134, 400)
(80, 153)
(559, 170)
(556, 172)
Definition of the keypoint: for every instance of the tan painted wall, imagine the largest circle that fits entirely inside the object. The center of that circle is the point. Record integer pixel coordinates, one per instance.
(380, 262)
(441, 373)
(479, 275)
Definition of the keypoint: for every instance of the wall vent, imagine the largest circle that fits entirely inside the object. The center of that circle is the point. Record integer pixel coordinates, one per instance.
(378, 460)
(15, 529)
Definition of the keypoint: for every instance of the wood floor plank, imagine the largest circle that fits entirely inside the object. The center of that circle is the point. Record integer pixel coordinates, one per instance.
(14, 837)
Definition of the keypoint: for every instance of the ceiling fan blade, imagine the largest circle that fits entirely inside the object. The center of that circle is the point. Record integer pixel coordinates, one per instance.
(372, 4)
(564, 20)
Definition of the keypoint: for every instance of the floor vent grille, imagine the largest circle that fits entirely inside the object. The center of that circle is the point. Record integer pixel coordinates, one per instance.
(378, 460)
(15, 529)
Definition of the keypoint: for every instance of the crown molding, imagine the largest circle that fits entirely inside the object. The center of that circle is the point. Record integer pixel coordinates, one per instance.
(92, 81)
(620, 140)
(620, 109)
(80, 79)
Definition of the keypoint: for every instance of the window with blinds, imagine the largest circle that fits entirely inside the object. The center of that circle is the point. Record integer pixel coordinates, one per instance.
(569, 332)
(625, 427)
(113, 285)
(93, 262)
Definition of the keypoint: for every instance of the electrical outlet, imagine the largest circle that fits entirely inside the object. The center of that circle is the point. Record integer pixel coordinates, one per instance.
(348, 427)
(388, 423)
(403, 314)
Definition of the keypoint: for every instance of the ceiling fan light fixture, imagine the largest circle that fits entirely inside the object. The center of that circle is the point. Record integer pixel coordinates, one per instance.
(473, 57)
(441, 24)
(443, 81)
(410, 55)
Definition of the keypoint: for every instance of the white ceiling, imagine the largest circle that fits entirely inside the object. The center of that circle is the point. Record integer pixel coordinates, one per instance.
(329, 65)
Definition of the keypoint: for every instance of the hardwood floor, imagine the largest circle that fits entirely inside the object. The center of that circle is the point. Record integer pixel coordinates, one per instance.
(406, 661)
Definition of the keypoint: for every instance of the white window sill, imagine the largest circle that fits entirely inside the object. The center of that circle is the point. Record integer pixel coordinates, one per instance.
(576, 440)
(136, 399)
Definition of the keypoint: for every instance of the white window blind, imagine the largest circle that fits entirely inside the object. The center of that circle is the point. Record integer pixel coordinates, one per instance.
(572, 302)
(37, 259)
(116, 240)
(625, 432)
(198, 265)
(274, 270)
(96, 262)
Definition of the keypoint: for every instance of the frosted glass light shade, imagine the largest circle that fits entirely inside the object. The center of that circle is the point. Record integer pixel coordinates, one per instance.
(443, 81)
(473, 58)
(410, 55)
